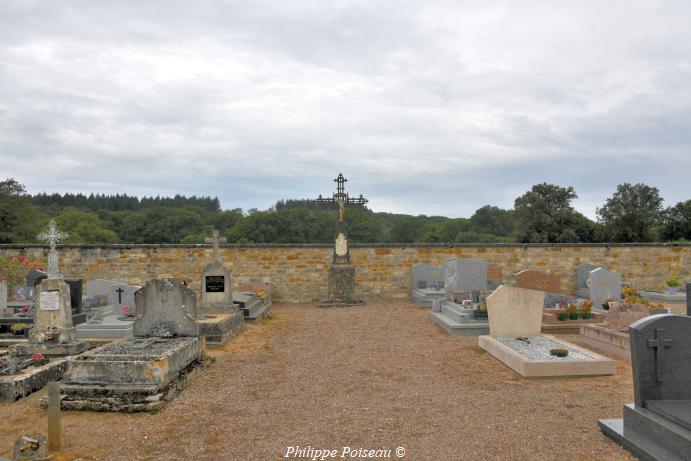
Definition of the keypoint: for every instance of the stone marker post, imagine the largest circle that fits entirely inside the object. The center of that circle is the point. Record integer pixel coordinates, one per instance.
(688, 298)
(54, 429)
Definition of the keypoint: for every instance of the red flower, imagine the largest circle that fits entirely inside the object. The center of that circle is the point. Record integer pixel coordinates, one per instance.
(20, 259)
(27, 263)
(38, 356)
(25, 309)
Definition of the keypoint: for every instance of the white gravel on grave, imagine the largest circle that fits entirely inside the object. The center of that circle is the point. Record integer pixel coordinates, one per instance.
(537, 348)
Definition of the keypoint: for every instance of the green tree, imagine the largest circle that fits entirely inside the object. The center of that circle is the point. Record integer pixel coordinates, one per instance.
(631, 213)
(545, 215)
(85, 227)
(18, 218)
(677, 222)
(493, 220)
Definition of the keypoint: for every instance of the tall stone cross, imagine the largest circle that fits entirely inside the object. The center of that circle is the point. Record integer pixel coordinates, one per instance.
(216, 240)
(53, 236)
(659, 345)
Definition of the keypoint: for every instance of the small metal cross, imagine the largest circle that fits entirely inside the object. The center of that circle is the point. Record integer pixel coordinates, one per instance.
(120, 291)
(659, 345)
(52, 237)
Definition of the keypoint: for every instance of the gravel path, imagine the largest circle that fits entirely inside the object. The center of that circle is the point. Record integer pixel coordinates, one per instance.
(379, 376)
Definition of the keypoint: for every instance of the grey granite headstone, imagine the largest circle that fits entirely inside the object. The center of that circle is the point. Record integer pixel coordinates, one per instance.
(688, 298)
(120, 296)
(582, 274)
(216, 288)
(429, 273)
(99, 287)
(603, 284)
(661, 358)
(166, 307)
(465, 274)
(3, 295)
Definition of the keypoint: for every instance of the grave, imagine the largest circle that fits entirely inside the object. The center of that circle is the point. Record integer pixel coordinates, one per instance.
(676, 301)
(218, 317)
(582, 274)
(613, 335)
(465, 288)
(515, 320)
(113, 310)
(657, 425)
(341, 276)
(261, 290)
(427, 284)
(31, 365)
(140, 373)
(251, 306)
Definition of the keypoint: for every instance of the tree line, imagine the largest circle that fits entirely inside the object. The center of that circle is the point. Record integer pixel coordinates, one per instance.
(544, 214)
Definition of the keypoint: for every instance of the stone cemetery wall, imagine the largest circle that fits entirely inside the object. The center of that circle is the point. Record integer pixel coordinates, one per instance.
(299, 272)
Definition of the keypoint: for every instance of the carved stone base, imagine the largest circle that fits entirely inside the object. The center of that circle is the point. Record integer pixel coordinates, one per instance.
(341, 287)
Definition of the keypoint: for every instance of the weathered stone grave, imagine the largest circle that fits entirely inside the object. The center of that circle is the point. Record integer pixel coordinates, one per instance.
(658, 424)
(676, 301)
(113, 310)
(140, 373)
(219, 318)
(613, 335)
(515, 321)
(465, 287)
(582, 274)
(427, 284)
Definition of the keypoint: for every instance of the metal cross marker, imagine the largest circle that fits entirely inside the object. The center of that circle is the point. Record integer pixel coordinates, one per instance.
(120, 291)
(215, 240)
(341, 198)
(52, 237)
(659, 345)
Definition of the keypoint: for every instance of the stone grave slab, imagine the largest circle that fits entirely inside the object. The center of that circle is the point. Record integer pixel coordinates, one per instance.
(459, 319)
(218, 317)
(262, 290)
(515, 321)
(251, 306)
(603, 285)
(657, 425)
(427, 284)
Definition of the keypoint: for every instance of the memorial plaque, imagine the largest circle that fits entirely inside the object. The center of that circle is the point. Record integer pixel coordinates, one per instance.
(215, 283)
(50, 300)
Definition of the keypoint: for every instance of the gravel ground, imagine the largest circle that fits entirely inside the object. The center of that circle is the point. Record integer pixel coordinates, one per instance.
(378, 376)
(538, 348)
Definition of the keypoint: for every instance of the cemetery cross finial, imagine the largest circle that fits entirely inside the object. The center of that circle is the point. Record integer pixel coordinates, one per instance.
(659, 345)
(215, 240)
(341, 198)
(52, 237)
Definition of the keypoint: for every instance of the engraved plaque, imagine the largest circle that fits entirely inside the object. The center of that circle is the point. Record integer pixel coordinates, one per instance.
(341, 245)
(215, 283)
(50, 300)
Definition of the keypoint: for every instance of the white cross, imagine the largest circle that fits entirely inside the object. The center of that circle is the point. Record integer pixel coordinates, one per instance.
(53, 236)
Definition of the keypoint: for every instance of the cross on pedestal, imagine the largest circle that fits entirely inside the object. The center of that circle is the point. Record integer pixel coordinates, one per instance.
(120, 291)
(215, 240)
(659, 345)
(341, 198)
(52, 237)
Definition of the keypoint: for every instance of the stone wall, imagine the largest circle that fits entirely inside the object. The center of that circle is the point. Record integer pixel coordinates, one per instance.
(299, 272)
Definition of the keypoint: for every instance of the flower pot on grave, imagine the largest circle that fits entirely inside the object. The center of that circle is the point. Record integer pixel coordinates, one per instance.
(585, 315)
(671, 290)
(480, 314)
(562, 316)
(573, 316)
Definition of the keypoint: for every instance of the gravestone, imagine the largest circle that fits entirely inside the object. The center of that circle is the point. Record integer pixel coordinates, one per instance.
(3, 295)
(34, 277)
(688, 299)
(541, 281)
(166, 308)
(121, 296)
(603, 285)
(515, 311)
(582, 274)
(465, 275)
(427, 284)
(658, 424)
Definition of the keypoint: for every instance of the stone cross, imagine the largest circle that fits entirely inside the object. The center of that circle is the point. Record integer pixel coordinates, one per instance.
(659, 345)
(52, 237)
(215, 240)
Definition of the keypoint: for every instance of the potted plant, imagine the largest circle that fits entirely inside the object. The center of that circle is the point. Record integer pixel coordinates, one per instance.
(572, 311)
(481, 311)
(586, 307)
(673, 285)
(562, 315)
(559, 352)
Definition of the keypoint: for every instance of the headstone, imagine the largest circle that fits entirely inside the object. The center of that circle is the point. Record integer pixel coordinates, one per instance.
(429, 275)
(658, 424)
(53, 312)
(622, 315)
(122, 297)
(465, 275)
(34, 277)
(541, 281)
(75, 293)
(216, 288)
(3, 295)
(603, 285)
(98, 287)
(165, 307)
(515, 311)
(582, 274)
(688, 298)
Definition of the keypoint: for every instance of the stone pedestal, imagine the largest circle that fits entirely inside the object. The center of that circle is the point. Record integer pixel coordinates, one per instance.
(341, 286)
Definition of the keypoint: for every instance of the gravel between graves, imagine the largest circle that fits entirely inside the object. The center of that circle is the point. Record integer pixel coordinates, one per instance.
(379, 376)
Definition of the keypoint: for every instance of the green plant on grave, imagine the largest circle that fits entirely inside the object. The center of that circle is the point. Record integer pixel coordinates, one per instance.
(637, 300)
(482, 307)
(18, 327)
(586, 307)
(572, 310)
(629, 291)
(674, 282)
(562, 314)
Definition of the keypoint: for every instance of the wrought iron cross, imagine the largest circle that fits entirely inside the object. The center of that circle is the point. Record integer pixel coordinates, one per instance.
(120, 291)
(215, 240)
(53, 236)
(341, 198)
(659, 345)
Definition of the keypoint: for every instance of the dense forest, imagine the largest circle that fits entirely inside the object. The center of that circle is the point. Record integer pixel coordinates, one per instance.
(544, 214)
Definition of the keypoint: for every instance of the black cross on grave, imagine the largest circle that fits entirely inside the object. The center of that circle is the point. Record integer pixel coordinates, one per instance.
(120, 291)
(341, 198)
(659, 345)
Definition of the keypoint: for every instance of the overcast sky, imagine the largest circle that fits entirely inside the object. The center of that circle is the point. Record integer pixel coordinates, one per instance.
(427, 107)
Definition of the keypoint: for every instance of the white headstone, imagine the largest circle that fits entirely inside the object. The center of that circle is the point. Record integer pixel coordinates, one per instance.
(3, 295)
(515, 311)
(604, 285)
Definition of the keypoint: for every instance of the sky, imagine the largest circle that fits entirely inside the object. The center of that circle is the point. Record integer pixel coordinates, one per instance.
(434, 107)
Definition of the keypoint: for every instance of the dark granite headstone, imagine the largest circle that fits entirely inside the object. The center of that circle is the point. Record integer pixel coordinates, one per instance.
(34, 277)
(688, 299)
(75, 293)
